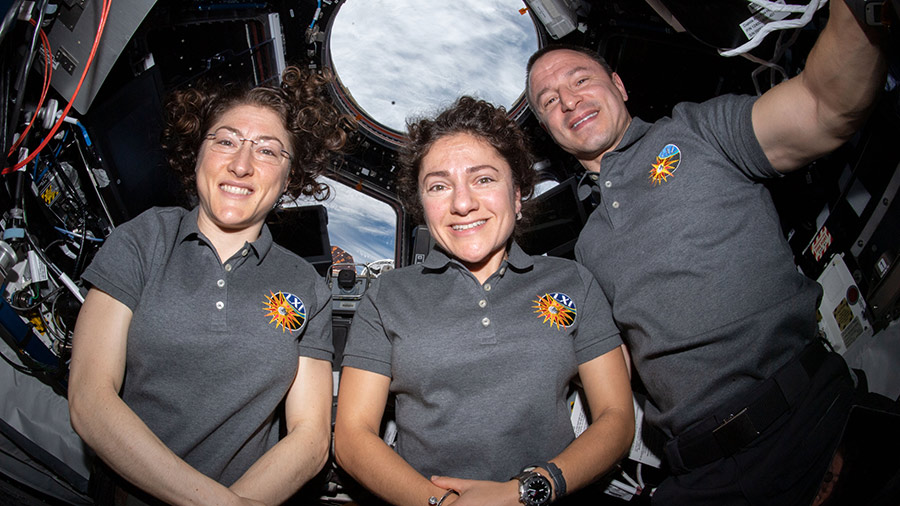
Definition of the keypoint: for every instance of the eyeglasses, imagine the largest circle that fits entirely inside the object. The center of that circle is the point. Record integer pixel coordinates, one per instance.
(268, 151)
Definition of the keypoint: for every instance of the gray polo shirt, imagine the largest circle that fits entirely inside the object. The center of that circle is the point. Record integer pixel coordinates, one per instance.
(480, 372)
(212, 346)
(687, 244)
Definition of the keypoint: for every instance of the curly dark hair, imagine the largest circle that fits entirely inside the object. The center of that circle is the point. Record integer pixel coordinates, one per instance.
(467, 115)
(317, 128)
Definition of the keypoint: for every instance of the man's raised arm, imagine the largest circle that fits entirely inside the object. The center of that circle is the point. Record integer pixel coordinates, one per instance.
(822, 107)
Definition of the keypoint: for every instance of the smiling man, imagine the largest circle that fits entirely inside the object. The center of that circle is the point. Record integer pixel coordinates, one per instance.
(687, 246)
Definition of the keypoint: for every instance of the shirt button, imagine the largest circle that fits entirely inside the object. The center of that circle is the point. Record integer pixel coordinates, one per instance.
(227, 267)
(244, 253)
(608, 184)
(487, 287)
(482, 303)
(594, 177)
(615, 204)
(220, 305)
(221, 283)
(485, 321)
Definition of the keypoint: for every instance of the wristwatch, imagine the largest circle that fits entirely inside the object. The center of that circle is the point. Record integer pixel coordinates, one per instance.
(534, 489)
(556, 476)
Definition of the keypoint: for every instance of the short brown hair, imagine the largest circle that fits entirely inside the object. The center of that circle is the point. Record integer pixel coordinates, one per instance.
(316, 127)
(467, 115)
(590, 53)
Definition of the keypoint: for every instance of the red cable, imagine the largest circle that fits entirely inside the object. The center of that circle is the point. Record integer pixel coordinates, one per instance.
(87, 66)
(48, 72)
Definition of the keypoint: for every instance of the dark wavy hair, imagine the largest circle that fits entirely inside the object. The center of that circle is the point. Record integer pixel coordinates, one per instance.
(316, 127)
(474, 117)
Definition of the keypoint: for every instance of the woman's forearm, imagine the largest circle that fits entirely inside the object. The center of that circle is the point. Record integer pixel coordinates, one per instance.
(302, 453)
(608, 438)
(363, 454)
(128, 446)
(375, 465)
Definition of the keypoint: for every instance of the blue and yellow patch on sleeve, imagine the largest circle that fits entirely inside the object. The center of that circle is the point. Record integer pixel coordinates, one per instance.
(667, 162)
(556, 308)
(287, 311)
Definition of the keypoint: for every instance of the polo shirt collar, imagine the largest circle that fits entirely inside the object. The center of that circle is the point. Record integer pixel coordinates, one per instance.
(438, 259)
(635, 131)
(262, 245)
(188, 229)
(518, 259)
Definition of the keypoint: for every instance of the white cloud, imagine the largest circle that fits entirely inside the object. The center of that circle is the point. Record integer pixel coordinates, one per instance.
(411, 57)
(360, 225)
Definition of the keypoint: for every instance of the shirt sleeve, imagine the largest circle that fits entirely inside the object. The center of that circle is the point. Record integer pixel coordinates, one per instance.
(368, 345)
(727, 123)
(123, 262)
(317, 341)
(597, 333)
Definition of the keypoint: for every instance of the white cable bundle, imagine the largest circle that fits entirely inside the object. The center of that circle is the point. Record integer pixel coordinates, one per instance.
(807, 13)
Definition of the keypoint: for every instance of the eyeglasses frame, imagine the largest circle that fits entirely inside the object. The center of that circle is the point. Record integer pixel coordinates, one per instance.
(212, 135)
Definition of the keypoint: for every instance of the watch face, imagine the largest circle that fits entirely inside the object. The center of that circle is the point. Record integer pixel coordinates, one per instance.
(536, 490)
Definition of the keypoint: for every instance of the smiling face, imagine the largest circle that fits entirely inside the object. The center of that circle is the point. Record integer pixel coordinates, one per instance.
(237, 190)
(579, 103)
(470, 201)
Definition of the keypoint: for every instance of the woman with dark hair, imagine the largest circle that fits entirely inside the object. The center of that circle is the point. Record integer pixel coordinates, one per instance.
(217, 339)
(479, 343)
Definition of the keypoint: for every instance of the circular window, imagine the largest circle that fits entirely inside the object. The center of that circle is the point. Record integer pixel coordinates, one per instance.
(407, 58)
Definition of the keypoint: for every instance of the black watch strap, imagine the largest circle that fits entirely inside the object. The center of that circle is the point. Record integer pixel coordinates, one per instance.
(559, 481)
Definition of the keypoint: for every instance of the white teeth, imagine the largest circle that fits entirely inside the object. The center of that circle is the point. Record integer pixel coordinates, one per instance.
(589, 116)
(234, 189)
(470, 225)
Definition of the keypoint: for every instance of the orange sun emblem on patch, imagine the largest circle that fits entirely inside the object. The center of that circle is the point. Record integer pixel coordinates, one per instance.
(556, 308)
(286, 309)
(666, 162)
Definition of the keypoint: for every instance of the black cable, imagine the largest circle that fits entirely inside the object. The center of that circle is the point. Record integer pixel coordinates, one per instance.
(79, 261)
(53, 243)
(22, 369)
(71, 190)
(80, 206)
(40, 300)
(26, 64)
(25, 309)
(5, 131)
(34, 368)
(17, 212)
(10, 18)
(64, 336)
(55, 335)
(32, 52)
(50, 265)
